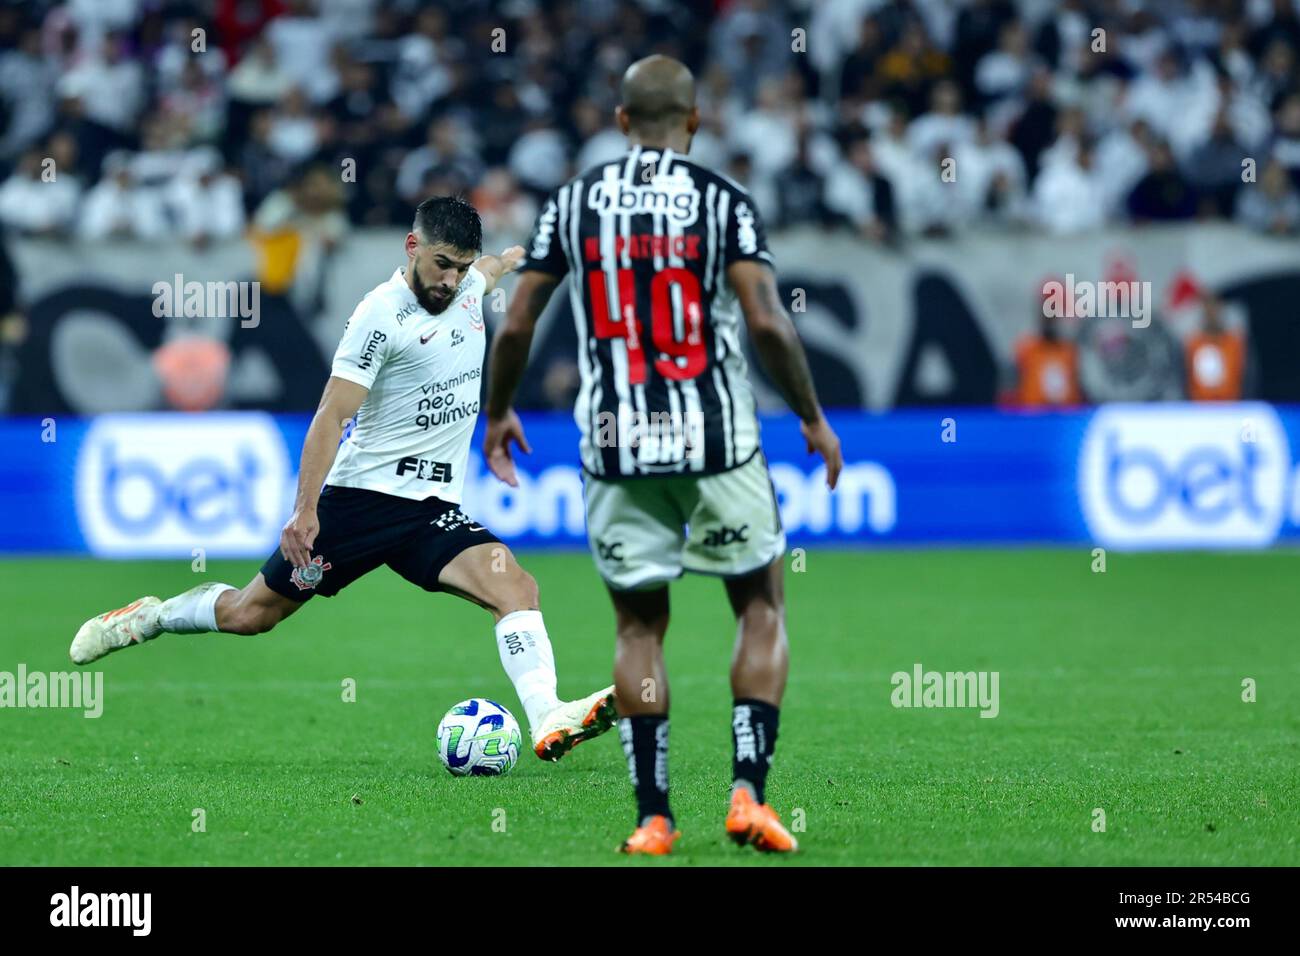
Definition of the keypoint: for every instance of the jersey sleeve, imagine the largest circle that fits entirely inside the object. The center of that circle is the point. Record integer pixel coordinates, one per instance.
(746, 235)
(545, 252)
(477, 282)
(365, 346)
(475, 291)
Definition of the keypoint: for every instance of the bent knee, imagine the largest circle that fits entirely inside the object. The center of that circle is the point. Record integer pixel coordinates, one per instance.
(529, 590)
(515, 591)
(524, 591)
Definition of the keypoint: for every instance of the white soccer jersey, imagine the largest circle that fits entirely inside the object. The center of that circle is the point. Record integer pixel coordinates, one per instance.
(412, 433)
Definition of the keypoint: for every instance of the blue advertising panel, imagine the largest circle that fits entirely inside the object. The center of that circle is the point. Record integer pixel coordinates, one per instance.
(1121, 476)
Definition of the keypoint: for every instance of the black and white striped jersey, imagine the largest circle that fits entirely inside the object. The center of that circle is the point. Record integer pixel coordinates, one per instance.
(646, 241)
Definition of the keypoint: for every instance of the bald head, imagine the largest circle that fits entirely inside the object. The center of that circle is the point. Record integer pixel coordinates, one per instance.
(658, 97)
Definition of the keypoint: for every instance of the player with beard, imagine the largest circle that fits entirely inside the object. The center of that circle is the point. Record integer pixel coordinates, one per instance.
(407, 371)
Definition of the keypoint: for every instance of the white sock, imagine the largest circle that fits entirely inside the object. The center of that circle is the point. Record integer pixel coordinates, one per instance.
(194, 612)
(529, 662)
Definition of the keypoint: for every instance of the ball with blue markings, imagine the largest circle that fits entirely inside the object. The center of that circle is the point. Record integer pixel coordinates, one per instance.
(478, 737)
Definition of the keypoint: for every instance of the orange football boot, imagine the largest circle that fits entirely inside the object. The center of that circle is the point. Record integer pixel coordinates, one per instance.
(757, 824)
(653, 838)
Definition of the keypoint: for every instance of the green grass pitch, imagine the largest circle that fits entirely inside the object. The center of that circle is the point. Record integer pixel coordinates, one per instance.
(1120, 691)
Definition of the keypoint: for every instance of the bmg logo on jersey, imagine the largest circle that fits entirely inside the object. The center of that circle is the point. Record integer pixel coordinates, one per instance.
(368, 353)
(674, 196)
(155, 485)
(1182, 476)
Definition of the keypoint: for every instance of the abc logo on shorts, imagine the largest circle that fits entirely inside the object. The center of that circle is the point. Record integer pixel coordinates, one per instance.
(158, 485)
(1181, 476)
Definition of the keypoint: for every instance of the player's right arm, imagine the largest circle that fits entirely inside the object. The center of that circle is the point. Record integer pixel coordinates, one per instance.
(362, 352)
(783, 357)
(338, 404)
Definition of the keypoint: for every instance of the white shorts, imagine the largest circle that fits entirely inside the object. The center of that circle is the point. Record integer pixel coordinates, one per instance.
(644, 532)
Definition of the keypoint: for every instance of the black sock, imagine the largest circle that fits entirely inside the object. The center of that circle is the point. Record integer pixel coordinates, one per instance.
(753, 734)
(645, 742)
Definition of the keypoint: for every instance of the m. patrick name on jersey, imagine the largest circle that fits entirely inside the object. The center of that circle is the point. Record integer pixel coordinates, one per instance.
(413, 431)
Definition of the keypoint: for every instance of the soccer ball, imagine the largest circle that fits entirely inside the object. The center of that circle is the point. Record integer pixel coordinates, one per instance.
(479, 737)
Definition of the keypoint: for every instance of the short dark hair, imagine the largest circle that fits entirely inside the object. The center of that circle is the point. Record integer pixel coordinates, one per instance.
(450, 220)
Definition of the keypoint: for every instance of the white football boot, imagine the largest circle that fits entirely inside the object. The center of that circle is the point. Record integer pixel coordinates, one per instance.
(114, 630)
(573, 722)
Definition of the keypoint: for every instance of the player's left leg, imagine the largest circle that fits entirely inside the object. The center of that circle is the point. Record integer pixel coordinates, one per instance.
(209, 607)
(354, 526)
(759, 667)
(474, 565)
(735, 532)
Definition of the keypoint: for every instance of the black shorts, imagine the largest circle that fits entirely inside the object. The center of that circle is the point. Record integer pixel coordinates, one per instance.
(360, 530)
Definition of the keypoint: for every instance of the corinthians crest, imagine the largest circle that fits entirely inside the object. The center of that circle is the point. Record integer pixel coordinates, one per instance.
(307, 577)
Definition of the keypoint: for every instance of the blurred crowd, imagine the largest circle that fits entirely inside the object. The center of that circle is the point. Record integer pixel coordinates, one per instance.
(193, 119)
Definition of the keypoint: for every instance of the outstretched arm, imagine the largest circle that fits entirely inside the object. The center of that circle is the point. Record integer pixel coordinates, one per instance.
(494, 267)
(783, 357)
(506, 366)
